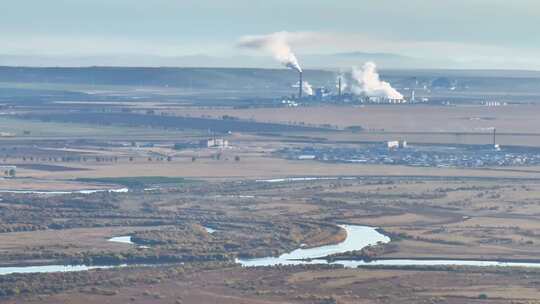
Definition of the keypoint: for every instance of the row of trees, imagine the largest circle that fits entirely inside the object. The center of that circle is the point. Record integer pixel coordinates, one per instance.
(114, 159)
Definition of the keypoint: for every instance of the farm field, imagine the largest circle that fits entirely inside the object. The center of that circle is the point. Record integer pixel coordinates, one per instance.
(397, 118)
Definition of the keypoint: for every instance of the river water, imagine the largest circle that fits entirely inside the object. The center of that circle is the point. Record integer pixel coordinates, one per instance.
(51, 268)
(89, 191)
(122, 239)
(358, 237)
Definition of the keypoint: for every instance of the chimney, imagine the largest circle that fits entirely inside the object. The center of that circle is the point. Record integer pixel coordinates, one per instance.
(339, 87)
(300, 87)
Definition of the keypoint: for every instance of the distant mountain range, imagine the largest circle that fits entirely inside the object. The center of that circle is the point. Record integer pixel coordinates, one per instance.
(346, 60)
(311, 61)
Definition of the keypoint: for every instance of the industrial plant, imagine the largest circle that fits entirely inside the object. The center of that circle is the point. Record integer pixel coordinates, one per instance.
(366, 85)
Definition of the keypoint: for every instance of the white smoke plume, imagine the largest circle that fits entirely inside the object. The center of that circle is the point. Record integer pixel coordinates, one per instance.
(275, 43)
(307, 88)
(368, 83)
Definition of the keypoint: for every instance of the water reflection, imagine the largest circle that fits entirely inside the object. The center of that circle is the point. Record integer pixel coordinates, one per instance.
(358, 237)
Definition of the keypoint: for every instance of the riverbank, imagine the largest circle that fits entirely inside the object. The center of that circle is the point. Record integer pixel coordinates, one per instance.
(357, 239)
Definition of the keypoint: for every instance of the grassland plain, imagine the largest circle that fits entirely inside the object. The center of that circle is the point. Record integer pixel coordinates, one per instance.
(396, 118)
(427, 218)
(451, 213)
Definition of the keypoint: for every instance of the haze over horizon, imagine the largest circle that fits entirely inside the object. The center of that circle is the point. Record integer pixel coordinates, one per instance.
(460, 34)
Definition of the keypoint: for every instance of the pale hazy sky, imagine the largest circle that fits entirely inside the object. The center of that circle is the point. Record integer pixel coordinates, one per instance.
(475, 33)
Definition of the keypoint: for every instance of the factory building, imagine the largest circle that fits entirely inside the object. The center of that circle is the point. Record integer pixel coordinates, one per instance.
(321, 94)
(492, 103)
(381, 100)
(396, 144)
(214, 143)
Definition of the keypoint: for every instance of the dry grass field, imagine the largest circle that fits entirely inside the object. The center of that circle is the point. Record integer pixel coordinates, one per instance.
(299, 286)
(515, 124)
(396, 118)
(251, 168)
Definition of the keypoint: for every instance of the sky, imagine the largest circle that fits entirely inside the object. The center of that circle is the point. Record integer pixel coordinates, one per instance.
(492, 34)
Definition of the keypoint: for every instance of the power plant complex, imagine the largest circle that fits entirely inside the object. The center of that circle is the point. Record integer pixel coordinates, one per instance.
(365, 83)
(353, 94)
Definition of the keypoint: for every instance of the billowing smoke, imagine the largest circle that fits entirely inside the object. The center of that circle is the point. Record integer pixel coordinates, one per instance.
(276, 44)
(307, 88)
(369, 84)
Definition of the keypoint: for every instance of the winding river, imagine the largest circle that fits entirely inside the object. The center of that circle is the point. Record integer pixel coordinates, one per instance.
(358, 237)
(51, 268)
(88, 191)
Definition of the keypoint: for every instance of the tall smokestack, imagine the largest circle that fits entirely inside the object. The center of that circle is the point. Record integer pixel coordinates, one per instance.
(339, 87)
(494, 137)
(300, 86)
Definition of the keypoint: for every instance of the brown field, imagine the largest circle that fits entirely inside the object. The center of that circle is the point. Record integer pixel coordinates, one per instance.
(69, 240)
(515, 124)
(247, 168)
(40, 184)
(417, 118)
(297, 285)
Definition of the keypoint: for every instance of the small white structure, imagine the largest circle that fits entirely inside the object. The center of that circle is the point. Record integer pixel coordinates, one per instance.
(214, 143)
(289, 103)
(494, 103)
(396, 144)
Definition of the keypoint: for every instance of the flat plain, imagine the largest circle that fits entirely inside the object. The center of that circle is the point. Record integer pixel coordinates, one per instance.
(191, 210)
